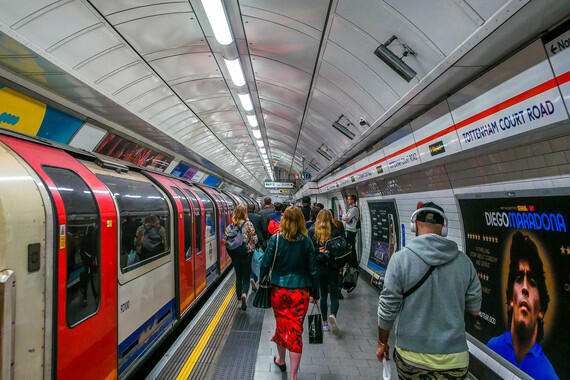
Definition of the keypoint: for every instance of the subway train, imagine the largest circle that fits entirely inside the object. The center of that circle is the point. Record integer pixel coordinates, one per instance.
(100, 259)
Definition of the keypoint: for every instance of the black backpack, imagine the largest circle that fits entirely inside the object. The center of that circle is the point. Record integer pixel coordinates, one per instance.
(152, 241)
(339, 251)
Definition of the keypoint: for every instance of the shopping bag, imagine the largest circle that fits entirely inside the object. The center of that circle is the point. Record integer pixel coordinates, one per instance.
(386, 372)
(315, 327)
(262, 297)
(256, 261)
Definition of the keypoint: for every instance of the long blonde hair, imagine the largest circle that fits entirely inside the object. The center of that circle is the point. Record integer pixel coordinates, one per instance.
(239, 215)
(323, 226)
(293, 223)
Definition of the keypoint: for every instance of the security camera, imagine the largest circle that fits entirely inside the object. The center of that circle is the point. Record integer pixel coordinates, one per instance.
(362, 121)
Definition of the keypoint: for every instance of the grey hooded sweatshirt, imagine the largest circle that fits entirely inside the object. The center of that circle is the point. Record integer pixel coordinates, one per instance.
(430, 320)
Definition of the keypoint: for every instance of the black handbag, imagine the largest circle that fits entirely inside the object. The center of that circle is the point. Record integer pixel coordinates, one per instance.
(262, 297)
(315, 326)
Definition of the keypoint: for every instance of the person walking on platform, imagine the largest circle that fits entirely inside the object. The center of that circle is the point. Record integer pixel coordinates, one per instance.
(428, 287)
(306, 207)
(257, 222)
(240, 239)
(293, 280)
(312, 217)
(320, 232)
(275, 219)
(265, 213)
(351, 220)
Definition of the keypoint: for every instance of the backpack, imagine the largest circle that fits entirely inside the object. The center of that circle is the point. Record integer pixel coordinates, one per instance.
(350, 279)
(273, 227)
(234, 237)
(339, 251)
(152, 241)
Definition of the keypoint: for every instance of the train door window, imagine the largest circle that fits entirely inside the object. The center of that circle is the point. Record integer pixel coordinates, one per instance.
(187, 223)
(197, 220)
(145, 221)
(83, 282)
(209, 213)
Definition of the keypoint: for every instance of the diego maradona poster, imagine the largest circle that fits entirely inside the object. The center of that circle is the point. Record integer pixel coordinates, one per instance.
(520, 248)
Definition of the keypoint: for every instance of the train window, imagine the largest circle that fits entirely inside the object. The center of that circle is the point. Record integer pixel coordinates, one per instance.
(198, 220)
(145, 221)
(83, 279)
(187, 223)
(209, 213)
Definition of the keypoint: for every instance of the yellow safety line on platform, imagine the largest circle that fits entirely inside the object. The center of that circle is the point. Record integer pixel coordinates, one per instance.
(193, 359)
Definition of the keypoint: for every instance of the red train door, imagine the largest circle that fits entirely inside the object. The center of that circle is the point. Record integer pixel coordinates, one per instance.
(85, 268)
(185, 259)
(199, 239)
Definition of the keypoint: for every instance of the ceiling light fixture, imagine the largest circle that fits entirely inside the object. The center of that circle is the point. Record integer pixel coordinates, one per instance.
(324, 151)
(396, 63)
(256, 133)
(234, 67)
(252, 120)
(245, 102)
(218, 21)
(262, 150)
(342, 129)
(259, 143)
(314, 166)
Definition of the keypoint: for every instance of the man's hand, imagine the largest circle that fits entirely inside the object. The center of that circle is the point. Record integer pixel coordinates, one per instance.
(345, 218)
(383, 351)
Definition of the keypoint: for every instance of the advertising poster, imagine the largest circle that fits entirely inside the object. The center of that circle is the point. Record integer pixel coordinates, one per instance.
(27, 115)
(385, 234)
(184, 171)
(520, 248)
(118, 147)
(211, 181)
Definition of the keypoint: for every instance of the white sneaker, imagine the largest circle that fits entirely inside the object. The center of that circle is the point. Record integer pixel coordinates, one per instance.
(332, 324)
(253, 284)
(326, 327)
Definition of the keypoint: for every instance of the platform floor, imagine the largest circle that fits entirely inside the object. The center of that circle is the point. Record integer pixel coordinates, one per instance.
(222, 342)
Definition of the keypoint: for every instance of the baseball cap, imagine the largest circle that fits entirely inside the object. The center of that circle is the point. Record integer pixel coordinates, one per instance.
(429, 216)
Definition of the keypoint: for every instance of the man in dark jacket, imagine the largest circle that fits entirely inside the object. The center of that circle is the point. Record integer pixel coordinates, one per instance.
(306, 209)
(265, 214)
(257, 222)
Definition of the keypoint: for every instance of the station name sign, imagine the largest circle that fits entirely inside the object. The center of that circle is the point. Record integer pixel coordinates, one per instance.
(279, 185)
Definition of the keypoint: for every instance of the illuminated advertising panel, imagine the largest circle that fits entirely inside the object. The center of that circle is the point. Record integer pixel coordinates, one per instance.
(118, 147)
(385, 234)
(520, 248)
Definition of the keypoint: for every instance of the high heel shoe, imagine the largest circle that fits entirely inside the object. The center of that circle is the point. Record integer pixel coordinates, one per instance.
(282, 367)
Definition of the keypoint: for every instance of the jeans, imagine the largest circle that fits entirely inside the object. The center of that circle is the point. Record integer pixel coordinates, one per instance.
(351, 239)
(329, 284)
(241, 260)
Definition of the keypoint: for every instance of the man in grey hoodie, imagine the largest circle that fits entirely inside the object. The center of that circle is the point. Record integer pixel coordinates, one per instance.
(426, 306)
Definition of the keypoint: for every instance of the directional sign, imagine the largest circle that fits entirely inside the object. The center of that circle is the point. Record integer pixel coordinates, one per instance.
(559, 44)
(279, 185)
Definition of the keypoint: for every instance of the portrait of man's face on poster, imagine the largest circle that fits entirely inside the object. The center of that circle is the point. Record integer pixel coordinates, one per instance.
(527, 303)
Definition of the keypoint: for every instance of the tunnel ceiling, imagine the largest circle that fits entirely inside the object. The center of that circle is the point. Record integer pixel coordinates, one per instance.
(156, 67)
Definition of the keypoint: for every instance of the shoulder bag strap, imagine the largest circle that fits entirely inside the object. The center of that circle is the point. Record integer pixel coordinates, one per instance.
(421, 281)
(274, 255)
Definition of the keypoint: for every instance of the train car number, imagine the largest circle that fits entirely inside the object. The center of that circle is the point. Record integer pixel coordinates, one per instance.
(125, 306)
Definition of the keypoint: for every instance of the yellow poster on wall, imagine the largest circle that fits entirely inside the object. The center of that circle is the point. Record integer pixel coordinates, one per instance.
(20, 112)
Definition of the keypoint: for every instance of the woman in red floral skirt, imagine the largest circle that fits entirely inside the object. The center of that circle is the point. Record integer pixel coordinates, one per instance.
(294, 279)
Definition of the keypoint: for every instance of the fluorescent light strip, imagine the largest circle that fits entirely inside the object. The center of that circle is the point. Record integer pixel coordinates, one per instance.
(252, 120)
(259, 143)
(256, 133)
(245, 102)
(234, 67)
(218, 21)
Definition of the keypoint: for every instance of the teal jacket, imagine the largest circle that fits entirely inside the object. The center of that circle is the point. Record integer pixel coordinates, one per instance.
(295, 265)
